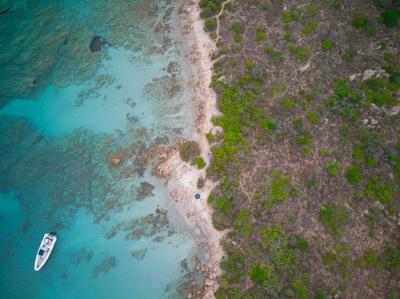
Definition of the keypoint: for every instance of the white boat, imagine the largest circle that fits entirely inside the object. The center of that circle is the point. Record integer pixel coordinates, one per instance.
(45, 249)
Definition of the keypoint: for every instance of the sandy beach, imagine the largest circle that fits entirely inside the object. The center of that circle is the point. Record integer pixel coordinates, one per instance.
(181, 177)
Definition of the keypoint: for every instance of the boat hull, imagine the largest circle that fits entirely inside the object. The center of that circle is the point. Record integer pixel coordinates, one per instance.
(44, 251)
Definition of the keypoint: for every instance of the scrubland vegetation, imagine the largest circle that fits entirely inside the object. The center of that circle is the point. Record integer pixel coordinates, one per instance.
(308, 162)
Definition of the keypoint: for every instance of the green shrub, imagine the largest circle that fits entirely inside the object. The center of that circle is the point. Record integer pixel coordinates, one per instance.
(210, 24)
(354, 175)
(310, 27)
(299, 287)
(281, 187)
(369, 259)
(248, 64)
(288, 103)
(377, 188)
(342, 88)
(210, 137)
(333, 218)
(298, 123)
(223, 205)
(327, 44)
(260, 34)
(275, 241)
(263, 274)
(359, 20)
(358, 153)
(302, 245)
(336, 4)
(233, 266)
(237, 38)
(210, 7)
(311, 10)
(291, 15)
(301, 53)
(288, 37)
(199, 162)
(189, 150)
(313, 117)
(277, 88)
(238, 27)
(303, 138)
(390, 17)
(319, 295)
(333, 168)
(391, 258)
(275, 55)
(242, 223)
(393, 295)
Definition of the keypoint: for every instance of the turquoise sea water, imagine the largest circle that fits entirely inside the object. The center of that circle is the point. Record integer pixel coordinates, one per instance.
(66, 113)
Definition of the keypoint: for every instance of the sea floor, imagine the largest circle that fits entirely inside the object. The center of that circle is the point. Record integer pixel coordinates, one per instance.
(78, 129)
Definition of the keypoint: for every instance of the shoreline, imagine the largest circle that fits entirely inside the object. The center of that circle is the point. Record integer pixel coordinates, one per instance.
(180, 177)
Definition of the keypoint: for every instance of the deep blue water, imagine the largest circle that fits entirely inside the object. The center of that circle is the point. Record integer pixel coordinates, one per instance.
(66, 113)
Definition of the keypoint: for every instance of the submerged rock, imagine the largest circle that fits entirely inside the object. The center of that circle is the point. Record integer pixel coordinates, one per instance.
(5, 9)
(96, 43)
(139, 254)
(145, 190)
(105, 266)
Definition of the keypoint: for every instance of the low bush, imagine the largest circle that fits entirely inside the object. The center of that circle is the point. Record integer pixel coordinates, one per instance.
(313, 117)
(310, 27)
(199, 162)
(238, 27)
(210, 24)
(333, 218)
(302, 53)
(390, 17)
(327, 44)
(260, 34)
(354, 175)
(189, 150)
(359, 20)
(377, 188)
(391, 258)
(210, 7)
(333, 168)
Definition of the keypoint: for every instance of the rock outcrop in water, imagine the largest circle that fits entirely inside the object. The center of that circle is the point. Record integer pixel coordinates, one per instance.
(96, 43)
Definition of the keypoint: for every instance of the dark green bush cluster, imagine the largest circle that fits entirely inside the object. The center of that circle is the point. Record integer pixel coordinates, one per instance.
(199, 162)
(210, 24)
(349, 101)
(189, 150)
(378, 188)
(210, 8)
(327, 44)
(354, 175)
(390, 14)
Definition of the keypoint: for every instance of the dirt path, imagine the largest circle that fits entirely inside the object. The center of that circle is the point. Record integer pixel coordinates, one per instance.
(218, 15)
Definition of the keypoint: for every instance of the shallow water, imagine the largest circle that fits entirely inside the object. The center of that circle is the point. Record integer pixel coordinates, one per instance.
(76, 127)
